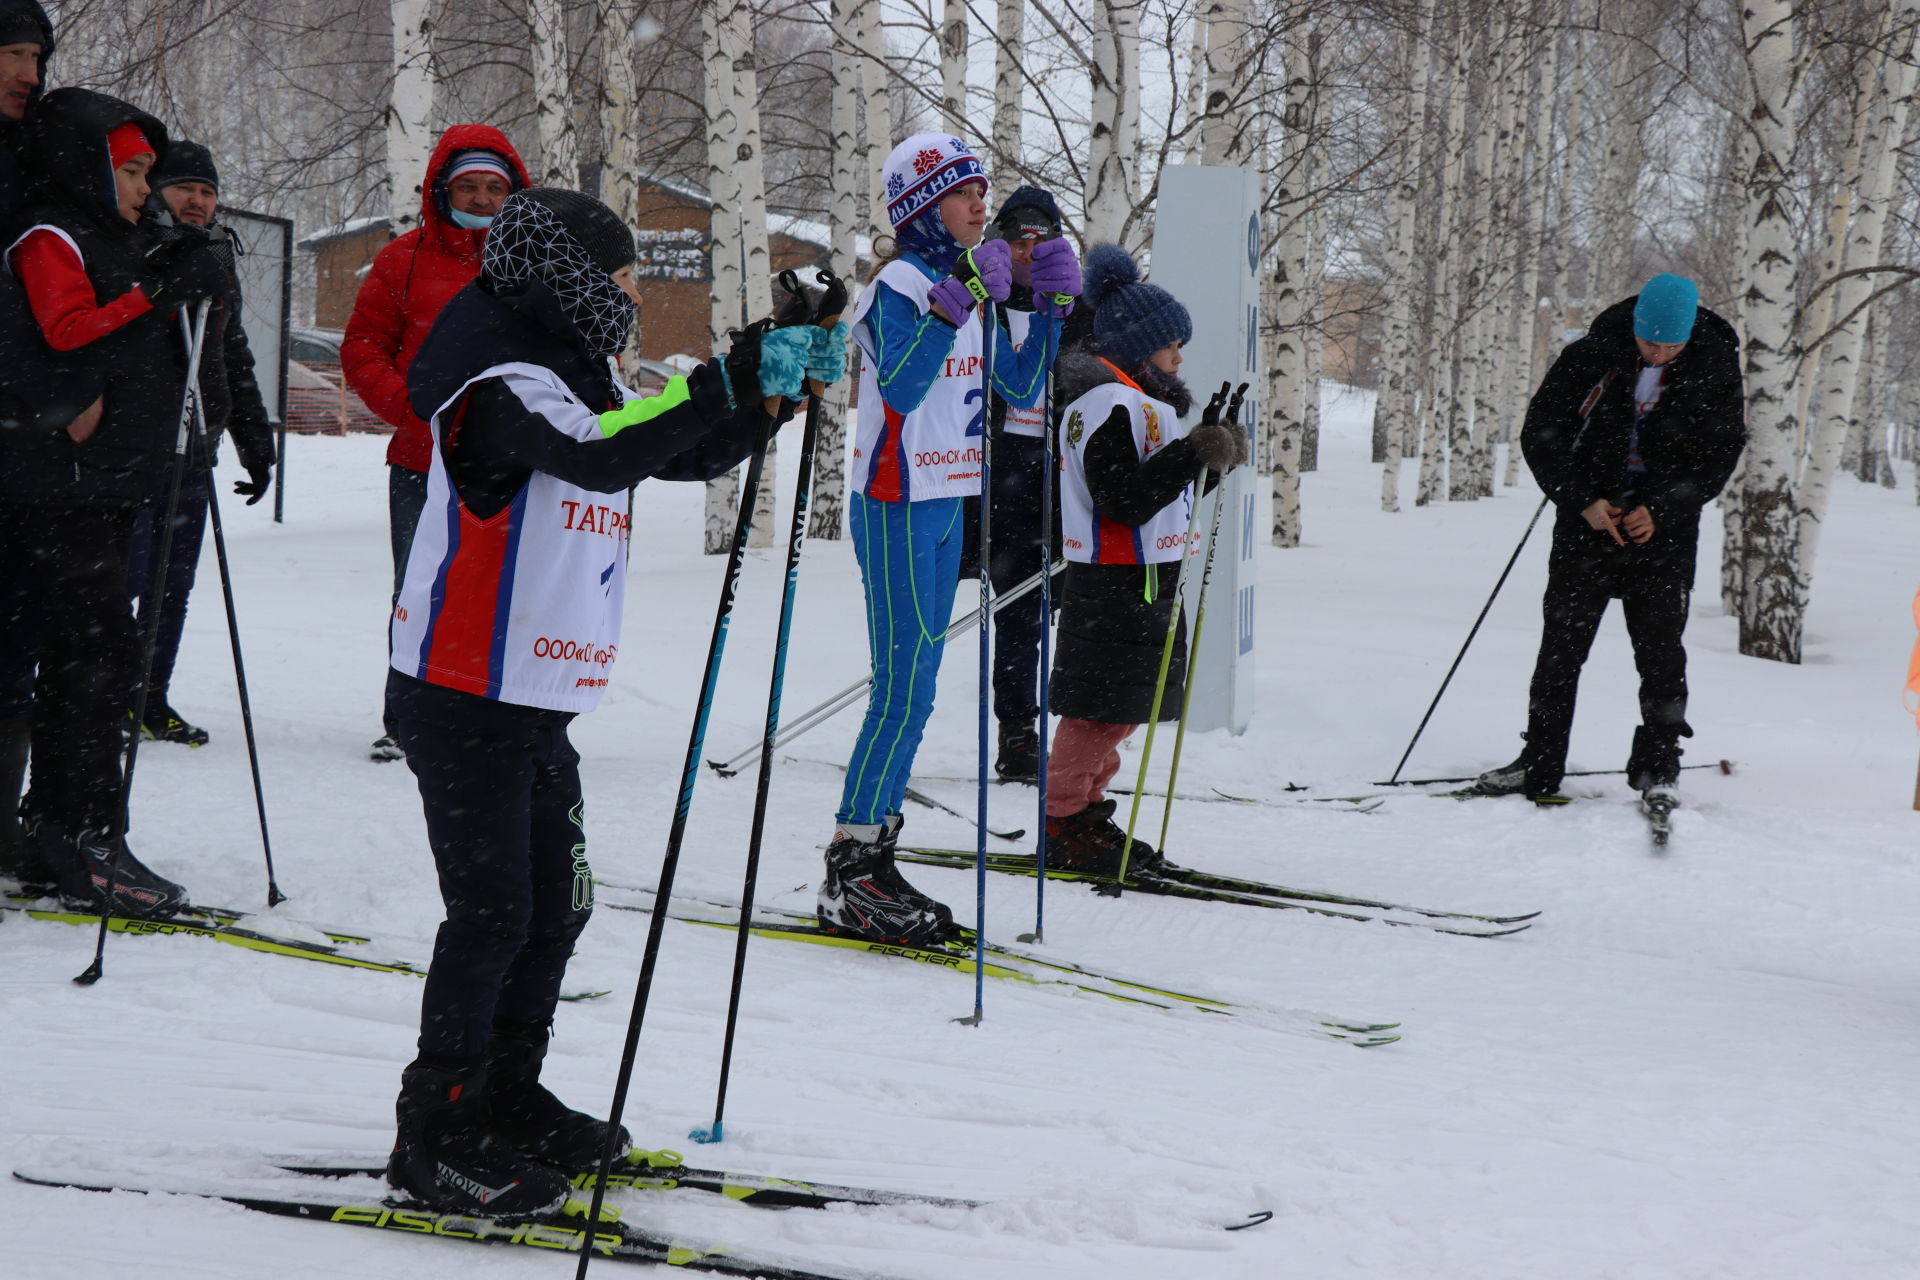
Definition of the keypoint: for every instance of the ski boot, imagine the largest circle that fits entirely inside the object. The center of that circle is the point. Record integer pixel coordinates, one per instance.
(864, 894)
(163, 724)
(1091, 841)
(99, 873)
(1507, 780)
(527, 1117)
(43, 848)
(385, 748)
(445, 1157)
(1019, 758)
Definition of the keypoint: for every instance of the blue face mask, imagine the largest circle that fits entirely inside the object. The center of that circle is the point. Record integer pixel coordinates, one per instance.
(471, 221)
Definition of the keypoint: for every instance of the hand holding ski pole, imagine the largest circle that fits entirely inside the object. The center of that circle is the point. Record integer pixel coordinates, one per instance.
(1221, 445)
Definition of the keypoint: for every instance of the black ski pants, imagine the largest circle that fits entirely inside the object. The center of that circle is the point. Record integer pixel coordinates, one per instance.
(1017, 526)
(66, 567)
(500, 785)
(1653, 591)
(183, 561)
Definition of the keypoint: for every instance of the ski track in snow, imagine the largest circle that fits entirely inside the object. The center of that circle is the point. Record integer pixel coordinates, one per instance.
(1698, 1064)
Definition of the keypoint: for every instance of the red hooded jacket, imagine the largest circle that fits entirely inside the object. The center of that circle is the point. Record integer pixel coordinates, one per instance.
(407, 285)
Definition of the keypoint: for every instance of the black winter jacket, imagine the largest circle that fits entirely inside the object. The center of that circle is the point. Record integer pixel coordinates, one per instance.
(1690, 442)
(497, 443)
(137, 369)
(228, 387)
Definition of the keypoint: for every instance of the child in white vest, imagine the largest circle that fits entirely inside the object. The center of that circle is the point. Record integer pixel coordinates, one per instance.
(1126, 491)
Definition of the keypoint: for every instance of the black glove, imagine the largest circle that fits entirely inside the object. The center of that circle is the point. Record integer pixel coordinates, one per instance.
(254, 487)
(196, 277)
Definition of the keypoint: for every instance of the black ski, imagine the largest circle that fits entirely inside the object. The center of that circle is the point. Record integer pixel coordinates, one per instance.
(1171, 885)
(663, 1171)
(565, 1231)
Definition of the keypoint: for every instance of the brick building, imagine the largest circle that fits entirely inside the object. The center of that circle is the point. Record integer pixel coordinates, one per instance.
(672, 223)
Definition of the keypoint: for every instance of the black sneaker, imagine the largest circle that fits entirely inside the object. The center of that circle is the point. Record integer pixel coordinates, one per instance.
(1019, 758)
(864, 894)
(528, 1117)
(384, 748)
(445, 1157)
(163, 724)
(99, 872)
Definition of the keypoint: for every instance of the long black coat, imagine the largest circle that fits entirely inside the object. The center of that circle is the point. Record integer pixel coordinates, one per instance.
(1690, 442)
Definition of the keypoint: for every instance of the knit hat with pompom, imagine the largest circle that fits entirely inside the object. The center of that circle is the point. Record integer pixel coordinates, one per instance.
(1131, 319)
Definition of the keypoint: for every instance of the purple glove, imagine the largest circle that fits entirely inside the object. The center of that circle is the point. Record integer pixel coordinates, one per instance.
(1056, 305)
(1056, 269)
(953, 299)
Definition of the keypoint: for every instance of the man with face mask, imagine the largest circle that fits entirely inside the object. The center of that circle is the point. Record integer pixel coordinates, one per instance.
(473, 170)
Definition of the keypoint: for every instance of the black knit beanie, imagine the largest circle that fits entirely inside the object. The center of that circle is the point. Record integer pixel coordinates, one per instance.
(599, 229)
(184, 162)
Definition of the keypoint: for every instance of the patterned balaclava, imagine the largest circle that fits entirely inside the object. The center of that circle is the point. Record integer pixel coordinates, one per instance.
(918, 174)
(570, 242)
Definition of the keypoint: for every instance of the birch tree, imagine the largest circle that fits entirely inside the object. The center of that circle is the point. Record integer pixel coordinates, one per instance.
(1283, 304)
(614, 27)
(409, 112)
(1009, 82)
(826, 508)
(953, 67)
(1114, 137)
(553, 95)
(876, 108)
(1394, 406)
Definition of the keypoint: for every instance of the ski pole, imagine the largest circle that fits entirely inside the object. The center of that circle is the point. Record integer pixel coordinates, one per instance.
(854, 693)
(676, 835)
(827, 314)
(1474, 631)
(1199, 622)
(989, 339)
(274, 896)
(1173, 630)
(1039, 934)
(193, 331)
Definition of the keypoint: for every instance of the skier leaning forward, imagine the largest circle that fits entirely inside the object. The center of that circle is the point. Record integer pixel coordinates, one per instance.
(1636, 427)
(506, 627)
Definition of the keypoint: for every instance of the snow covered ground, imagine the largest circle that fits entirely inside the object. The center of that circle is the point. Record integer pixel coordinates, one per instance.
(1700, 1063)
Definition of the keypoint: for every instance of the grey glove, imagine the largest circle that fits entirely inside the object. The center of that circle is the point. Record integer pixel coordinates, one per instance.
(1218, 448)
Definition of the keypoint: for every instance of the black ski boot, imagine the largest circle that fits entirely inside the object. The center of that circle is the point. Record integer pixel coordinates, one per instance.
(864, 894)
(445, 1157)
(1019, 758)
(1507, 780)
(164, 724)
(98, 872)
(44, 847)
(1090, 841)
(527, 1117)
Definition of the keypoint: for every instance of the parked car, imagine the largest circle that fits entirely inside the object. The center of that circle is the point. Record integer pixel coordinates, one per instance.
(318, 398)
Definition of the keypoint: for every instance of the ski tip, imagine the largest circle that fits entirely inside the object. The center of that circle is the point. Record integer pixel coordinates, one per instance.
(715, 1132)
(1252, 1220)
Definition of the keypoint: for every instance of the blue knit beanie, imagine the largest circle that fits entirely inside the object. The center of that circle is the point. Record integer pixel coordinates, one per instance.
(1665, 310)
(1131, 320)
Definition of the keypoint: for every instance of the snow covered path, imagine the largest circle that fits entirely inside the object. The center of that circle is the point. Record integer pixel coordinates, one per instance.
(1700, 1063)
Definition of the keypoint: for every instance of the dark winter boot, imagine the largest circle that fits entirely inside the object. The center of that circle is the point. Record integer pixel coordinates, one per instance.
(445, 1156)
(1655, 758)
(1019, 758)
(163, 724)
(527, 1116)
(98, 871)
(864, 894)
(44, 847)
(15, 738)
(1091, 841)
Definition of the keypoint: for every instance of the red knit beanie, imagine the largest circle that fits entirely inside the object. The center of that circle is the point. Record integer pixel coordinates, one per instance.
(125, 142)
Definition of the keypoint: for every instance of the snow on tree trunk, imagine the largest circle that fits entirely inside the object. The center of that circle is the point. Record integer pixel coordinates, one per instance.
(953, 67)
(1009, 82)
(1841, 363)
(1773, 604)
(1393, 406)
(1115, 134)
(553, 95)
(737, 229)
(828, 499)
(409, 112)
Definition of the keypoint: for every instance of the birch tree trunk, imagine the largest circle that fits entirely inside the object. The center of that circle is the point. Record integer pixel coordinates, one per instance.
(953, 67)
(876, 109)
(738, 229)
(1527, 369)
(1841, 364)
(827, 502)
(409, 112)
(1009, 84)
(553, 95)
(1115, 135)
(1439, 377)
(1312, 283)
(1461, 295)
(1393, 406)
(1229, 49)
(619, 131)
(1281, 302)
(1773, 604)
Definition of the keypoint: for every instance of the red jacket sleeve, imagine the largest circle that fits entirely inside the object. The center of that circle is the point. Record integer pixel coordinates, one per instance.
(62, 296)
(370, 351)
